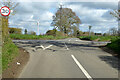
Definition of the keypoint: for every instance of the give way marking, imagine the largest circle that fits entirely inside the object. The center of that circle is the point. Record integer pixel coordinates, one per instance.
(44, 48)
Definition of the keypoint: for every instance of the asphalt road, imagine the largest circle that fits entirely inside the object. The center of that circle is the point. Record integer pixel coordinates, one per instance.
(67, 58)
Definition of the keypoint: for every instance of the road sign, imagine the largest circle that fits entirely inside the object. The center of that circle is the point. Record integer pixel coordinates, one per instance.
(5, 11)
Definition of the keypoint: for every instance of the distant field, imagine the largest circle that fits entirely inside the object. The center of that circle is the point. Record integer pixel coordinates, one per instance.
(99, 38)
(39, 37)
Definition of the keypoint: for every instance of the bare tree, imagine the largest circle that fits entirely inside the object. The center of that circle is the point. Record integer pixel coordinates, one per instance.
(116, 13)
(113, 31)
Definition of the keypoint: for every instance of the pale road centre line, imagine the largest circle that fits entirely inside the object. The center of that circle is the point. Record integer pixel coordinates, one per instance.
(81, 67)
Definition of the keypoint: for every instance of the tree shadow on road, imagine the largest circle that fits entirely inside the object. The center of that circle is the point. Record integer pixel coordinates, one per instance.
(112, 61)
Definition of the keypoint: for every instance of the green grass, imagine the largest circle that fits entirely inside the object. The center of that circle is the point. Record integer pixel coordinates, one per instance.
(0, 60)
(9, 52)
(39, 37)
(115, 45)
(99, 38)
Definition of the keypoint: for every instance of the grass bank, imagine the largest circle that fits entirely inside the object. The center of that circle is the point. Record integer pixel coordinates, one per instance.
(14, 70)
(39, 37)
(9, 52)
(114, 45)
(99, 38)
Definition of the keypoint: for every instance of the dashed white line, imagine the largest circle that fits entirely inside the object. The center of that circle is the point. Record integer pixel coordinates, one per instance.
(81, 67)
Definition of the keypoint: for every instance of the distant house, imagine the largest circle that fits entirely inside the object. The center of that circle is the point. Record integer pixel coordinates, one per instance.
(86, 33)
(15, 30)
(98, 34)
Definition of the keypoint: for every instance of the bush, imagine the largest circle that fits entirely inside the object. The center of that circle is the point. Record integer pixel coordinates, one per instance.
(50, 32)
(15, 30)
(114, 45)
(54, 32)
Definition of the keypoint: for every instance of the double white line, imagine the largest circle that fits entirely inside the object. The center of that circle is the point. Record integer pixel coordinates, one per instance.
(81, 67)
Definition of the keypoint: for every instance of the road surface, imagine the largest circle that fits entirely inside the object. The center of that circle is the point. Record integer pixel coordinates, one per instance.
(67, 58)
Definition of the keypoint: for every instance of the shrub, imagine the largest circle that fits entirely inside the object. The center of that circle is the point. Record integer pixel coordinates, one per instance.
(114, 45)
(99, 38)
(15, 30)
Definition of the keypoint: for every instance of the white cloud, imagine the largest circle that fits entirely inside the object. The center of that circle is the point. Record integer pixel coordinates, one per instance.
(46, 16)
(67, 0)
(99, 18)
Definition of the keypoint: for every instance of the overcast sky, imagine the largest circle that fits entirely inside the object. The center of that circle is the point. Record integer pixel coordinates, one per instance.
(96, 14)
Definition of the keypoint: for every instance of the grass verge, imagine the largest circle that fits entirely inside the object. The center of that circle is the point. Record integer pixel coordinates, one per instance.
(14, 70)
(115, 46)
(9, 52)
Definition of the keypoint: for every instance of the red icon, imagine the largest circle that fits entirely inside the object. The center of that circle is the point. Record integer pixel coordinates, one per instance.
(5, 11)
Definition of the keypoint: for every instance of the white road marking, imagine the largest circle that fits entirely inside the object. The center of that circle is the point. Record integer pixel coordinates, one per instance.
(66, 46)
(81, 67)
(44, 48)
(48, 46)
